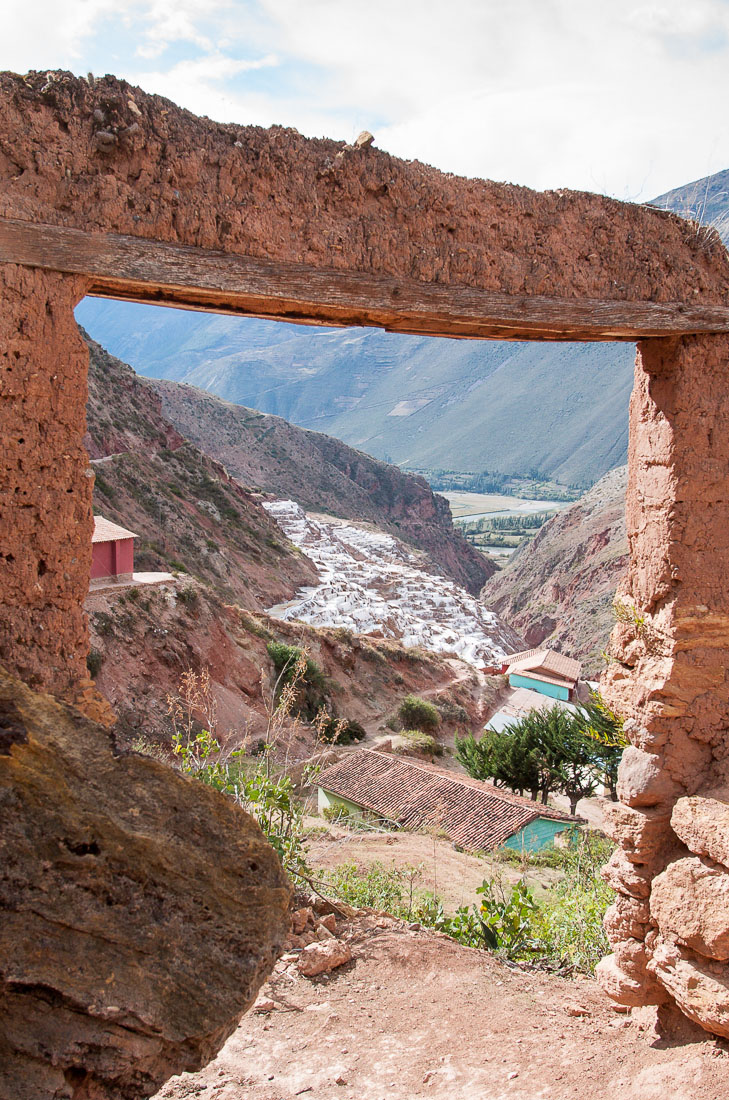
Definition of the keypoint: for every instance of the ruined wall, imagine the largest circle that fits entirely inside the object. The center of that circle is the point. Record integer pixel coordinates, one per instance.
(109, 157)
(101, 155)
(669, 677)
(45, 480)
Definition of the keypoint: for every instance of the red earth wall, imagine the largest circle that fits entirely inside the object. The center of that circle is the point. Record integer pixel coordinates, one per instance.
(103, 156)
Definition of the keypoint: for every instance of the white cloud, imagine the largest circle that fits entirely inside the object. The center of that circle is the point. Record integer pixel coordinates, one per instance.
(35, 36)
(624, 97)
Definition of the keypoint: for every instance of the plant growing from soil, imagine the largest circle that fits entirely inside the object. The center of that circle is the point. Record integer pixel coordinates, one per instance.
(418, 714)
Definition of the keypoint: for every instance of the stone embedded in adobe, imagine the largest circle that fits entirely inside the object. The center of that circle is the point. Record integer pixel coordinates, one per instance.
(703, 826)
(642, 780)
(140, 911)
(627, 917)
(700, 988)
(643, 833)
(625, 877)
(690, 901)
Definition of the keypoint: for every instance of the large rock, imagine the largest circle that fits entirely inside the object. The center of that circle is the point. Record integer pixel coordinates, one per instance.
(703, 826)
(699, 987)
(643, 834)
(141, 911)
(643, 780)
(690, 900)
(622, 988)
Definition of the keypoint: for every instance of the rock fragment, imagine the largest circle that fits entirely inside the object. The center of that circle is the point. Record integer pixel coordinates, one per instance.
(703, 826)
(321, 958)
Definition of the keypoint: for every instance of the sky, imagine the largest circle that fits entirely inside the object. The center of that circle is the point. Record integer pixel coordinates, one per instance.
(616, 96)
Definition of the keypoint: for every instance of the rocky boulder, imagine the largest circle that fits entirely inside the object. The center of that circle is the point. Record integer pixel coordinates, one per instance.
(141, 911)
(703, 826)
(690, 901)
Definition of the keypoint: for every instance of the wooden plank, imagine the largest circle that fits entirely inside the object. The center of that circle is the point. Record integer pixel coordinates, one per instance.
(137, 269)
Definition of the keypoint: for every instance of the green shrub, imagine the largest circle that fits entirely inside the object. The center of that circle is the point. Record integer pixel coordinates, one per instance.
(94, 661)
(418, 714)
(375, 887)
(312, 687)
(422, 742)
(189, 596)
(570, 930)
(336, 813)
(341, 731)
(103, 623)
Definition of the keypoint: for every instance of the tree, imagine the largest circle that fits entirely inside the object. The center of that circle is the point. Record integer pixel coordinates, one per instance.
(605, 729)
(507, 760)
(576, 766)
(546, 751)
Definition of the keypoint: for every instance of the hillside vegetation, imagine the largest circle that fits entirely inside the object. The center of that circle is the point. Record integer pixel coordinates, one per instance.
(188, 512)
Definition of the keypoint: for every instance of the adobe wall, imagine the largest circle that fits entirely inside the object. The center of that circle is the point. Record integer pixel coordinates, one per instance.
(111, 158)
(105, 157)
(45, 480)
(669, 677)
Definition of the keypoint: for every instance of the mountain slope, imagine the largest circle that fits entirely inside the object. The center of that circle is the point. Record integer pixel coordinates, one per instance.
(323, 474)
(421, 402)
(560, 586)
(191, 514)
(425, 404)
(188, 511)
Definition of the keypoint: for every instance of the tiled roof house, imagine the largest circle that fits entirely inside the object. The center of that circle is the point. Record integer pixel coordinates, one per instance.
(545, 671)
(475, 815)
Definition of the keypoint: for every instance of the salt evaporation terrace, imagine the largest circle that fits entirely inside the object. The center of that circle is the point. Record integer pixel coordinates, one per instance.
(370, 582)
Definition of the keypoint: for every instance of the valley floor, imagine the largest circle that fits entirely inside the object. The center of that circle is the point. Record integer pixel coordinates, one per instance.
(416, 1015)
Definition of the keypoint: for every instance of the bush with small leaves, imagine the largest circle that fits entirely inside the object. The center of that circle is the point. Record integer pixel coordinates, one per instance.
(418, 714)
(417, 741)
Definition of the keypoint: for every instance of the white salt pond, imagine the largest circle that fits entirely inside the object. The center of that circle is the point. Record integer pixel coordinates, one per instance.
(371, 582)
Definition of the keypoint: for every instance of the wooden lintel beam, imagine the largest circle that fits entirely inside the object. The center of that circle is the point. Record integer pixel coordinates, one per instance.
(137, 269)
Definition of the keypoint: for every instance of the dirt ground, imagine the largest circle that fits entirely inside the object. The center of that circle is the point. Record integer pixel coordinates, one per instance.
(454, 876)
(416, 1015)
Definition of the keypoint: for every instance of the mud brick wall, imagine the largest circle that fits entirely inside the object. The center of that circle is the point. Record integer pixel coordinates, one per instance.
(669, 677)
(45, 479)
(103, 157)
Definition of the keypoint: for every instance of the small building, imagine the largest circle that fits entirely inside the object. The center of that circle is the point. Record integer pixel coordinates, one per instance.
(476, 816)
(521, 702)
(545, 671)
(112, 552)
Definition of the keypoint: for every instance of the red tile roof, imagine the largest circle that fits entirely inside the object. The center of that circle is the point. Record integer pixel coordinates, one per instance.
(545, 664)
(106, 531)
(475, 815)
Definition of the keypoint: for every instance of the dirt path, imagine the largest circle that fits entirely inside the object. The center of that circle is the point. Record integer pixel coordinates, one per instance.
(454, 876)
(415, 1015)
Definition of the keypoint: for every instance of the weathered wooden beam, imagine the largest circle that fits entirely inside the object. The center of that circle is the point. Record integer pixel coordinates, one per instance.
(137, 269)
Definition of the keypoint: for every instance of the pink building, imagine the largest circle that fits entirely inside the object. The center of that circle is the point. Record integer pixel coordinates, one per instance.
(112, 552)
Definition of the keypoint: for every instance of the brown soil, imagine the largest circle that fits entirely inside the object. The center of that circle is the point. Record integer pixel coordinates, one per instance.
(416, 1015)
(454, 876)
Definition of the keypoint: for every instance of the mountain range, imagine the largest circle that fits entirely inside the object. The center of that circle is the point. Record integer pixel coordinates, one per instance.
(423, 403)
